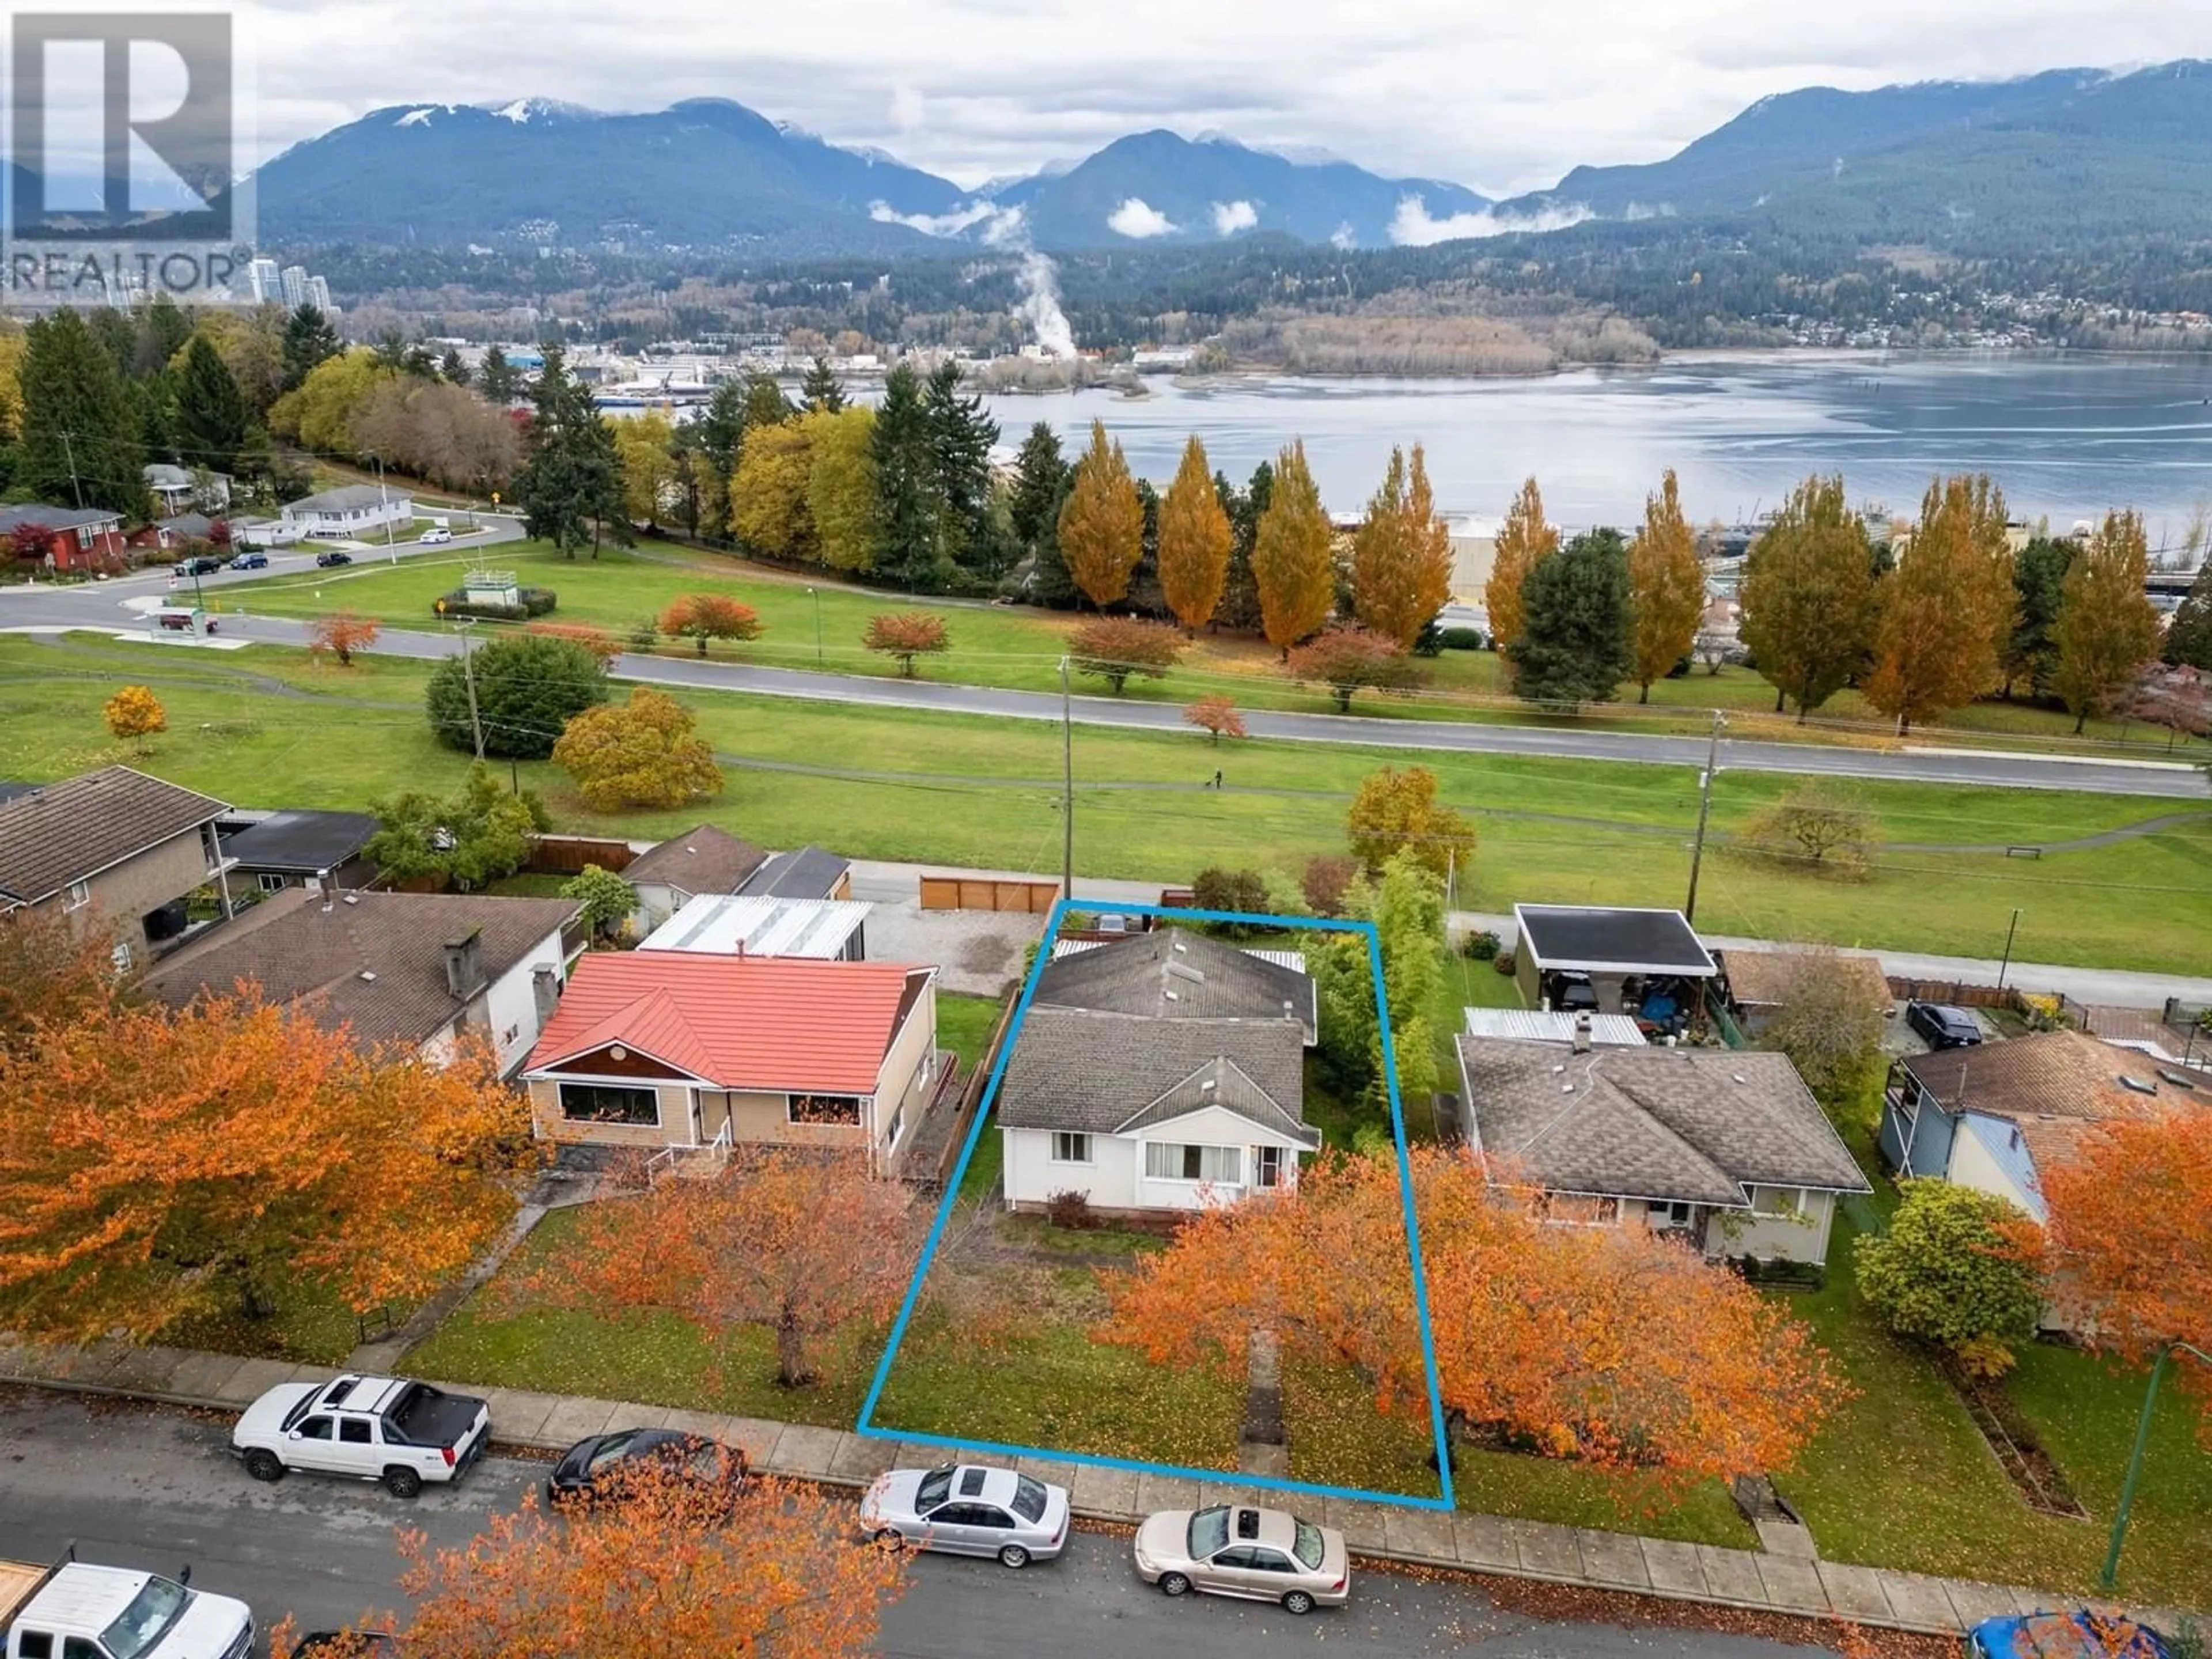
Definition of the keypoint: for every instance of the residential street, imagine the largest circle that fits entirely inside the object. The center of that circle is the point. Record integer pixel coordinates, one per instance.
(157, 1489)
(107, 606)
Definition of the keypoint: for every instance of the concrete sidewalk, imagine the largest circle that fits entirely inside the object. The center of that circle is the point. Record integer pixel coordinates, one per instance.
(1748, 1579)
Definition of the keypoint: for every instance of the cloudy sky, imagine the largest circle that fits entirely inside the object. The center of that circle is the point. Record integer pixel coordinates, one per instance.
(1500, 97)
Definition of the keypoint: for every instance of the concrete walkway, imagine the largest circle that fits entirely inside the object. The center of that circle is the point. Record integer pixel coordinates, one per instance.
(1478, 1543)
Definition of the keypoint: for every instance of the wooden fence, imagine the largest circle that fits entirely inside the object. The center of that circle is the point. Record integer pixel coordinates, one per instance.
(566, 855)
(971, 1097)
(982, 893)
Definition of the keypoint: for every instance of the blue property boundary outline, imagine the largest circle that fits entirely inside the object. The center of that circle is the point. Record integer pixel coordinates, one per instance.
(1444, 1501)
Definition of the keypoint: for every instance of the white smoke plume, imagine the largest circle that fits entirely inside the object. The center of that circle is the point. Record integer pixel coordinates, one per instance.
(1041, 305)
(1002, 227)
(1413, 227)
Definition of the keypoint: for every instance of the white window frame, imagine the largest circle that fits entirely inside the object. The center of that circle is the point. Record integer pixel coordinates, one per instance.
(1661, 1214)
(1269, 1164)
(561, 1099)
(1072, 1146)
(1233, 1156)
(79, 896)
(270, 882)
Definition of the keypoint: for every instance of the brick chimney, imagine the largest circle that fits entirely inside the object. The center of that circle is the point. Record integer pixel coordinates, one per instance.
(464, 969)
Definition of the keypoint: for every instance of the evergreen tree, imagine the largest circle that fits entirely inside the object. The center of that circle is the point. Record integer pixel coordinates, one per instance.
(1577, 641)
(2189, 635)
(117, 336)
(572, 483)
(2107, 627)
(309, 340)
(2039, 574)
(906, 496)
(1240, 594)
(211, 413)
(821, 389)
(1050, 581)
(1293, 561)
(1040, 477)
(162, 331)
(497, 378)
(764, 402)
(450, 366)
(960, 439)
(80, 426)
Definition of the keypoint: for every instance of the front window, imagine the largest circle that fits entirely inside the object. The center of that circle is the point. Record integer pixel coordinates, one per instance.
(1209, 1533)
(1068, 1148)
(139, 1627)
(826, 1108)
(1306, 1545)
(610, 1103)
(270, 883)
(80, 894)
(1222, 1165)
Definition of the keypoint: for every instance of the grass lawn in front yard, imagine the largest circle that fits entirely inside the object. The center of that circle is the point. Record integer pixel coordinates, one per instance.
(309, 1324)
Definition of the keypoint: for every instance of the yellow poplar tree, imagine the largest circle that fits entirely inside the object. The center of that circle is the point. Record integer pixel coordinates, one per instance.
(2107, 627)
(1666, 585)
(645, 445)
(1402, 556)
(840, 485)
(1101, 523)
(1292, 564)
(1524, 541)
(769, 507)
(1945, 612)
(1194, 540)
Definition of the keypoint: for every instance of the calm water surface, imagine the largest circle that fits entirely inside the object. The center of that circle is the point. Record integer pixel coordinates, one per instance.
(2066, 437)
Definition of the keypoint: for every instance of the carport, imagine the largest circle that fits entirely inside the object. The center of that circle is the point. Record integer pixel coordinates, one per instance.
(1633, 959)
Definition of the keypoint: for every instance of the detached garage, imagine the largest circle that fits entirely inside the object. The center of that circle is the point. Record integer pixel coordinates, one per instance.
(1588, 958)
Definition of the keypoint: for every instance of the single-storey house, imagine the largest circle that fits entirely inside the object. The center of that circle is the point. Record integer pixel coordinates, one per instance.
(350, 510)
(1173, 974)
(808, 873)
(113, 848)
(1726, 1149)
(407, 971)
(275, 850)
(179, 489)
(826, 930)
(1148, 1116)
(705, 859)
(64, 537)
(654, 1050)
(174, 534)
(1759, 981)
(1647, 963)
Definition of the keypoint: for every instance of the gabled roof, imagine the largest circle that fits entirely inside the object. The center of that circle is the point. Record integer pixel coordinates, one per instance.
(2053, 1074)
(1171, 973)
(1596, 939)
(704, 859)
(374, 962)
(37, 515)
(1698, 1126)
(1221, 1083)
(1097, 1072)
(347, 498)
(775, 1024)
(68, 831)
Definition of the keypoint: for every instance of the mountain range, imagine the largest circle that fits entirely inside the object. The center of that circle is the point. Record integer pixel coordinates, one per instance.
(2084, 151)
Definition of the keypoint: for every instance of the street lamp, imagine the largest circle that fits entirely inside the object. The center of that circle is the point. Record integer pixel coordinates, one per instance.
(815, 594)
(2110, 1573)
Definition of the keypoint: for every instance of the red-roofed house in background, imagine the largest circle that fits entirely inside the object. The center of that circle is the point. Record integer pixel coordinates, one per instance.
(656, 1049)
(64, 537)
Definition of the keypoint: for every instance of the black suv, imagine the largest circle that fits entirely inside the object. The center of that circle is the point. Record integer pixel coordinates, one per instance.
(1944, 1026)
(332, 557)
(200, 564)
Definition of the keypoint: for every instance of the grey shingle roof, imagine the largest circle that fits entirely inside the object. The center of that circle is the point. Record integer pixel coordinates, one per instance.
(1594, 938)
(345, 499)
(1172, 975)
(37, 515)
(702, 861)
(1099, 1072)
(1689, 1125)
(291, 947)
(810, 873)
(67, 831)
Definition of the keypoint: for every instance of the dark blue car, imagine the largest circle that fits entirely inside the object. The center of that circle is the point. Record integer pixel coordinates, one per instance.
(250, 562)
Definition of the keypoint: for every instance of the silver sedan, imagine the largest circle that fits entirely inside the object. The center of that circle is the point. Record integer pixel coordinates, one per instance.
(969, 1508)
(1261, 1555)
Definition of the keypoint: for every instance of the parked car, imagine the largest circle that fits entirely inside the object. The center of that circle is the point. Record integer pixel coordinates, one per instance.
(250, 560)
(1261, 1555)
(200, 564)
(969, 1509)
(74, 1608)
(2083, 1635)
(590, 1468)
(1944, 1026)
(434, 535)
(332, 557)
(369, 1428)
(183, 619)
(1573, 994)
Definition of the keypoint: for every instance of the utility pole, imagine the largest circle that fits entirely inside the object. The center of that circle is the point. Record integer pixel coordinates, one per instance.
(469, 674)
(1705, 812)
(2109, 1575)
(384, 506)
(815, 593)
(2005, 966)
(76, 490)
(1066, 791)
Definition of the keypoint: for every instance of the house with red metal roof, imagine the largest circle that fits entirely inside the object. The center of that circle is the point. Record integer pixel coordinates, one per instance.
(667, 1051)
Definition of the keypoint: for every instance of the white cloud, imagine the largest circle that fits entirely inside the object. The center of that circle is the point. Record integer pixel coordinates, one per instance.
(1229, 217)
(1343, 236)
(944, 224)
(1138, 218)
(1413, 227)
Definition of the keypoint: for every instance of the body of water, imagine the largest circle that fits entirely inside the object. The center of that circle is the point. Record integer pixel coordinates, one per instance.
(2066, 436)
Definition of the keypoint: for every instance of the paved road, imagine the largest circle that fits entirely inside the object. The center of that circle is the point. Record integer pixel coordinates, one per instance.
(154, 1489)
(111, 605)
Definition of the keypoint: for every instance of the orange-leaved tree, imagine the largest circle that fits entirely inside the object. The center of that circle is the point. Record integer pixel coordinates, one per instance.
(340, 633)
(675, 1573)
(1293, 561)
(1194, 541)
(1947, 610)
(1345, 660)
(602, 645)
(1101, 522)
(136, 713)
(2129, 1237)
(1401, 555)
(798, 1243)
(1112, 648)
(907, 634)
(52, 969)
(1523, 542)
(1611, 1345)
(643, 753)
(159, 1164)
(704, 616)
(1216, 715)
(1666, 585)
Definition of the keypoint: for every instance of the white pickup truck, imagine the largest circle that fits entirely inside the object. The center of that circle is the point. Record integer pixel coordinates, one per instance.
(372, 1428)
(74, 1610)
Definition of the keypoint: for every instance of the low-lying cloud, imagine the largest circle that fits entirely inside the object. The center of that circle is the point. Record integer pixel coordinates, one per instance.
(1138, 218)
(1413, 226)
(1229, 217)
(936, 224)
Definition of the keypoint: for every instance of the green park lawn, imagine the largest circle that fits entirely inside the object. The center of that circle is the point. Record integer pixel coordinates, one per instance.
(818, 622)
(268, 725)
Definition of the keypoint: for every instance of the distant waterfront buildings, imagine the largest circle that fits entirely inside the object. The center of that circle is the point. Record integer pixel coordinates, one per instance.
(295, 287)
(266, 282)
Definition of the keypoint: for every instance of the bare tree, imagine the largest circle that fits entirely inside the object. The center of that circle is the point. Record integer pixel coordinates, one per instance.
(1828, 1018)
